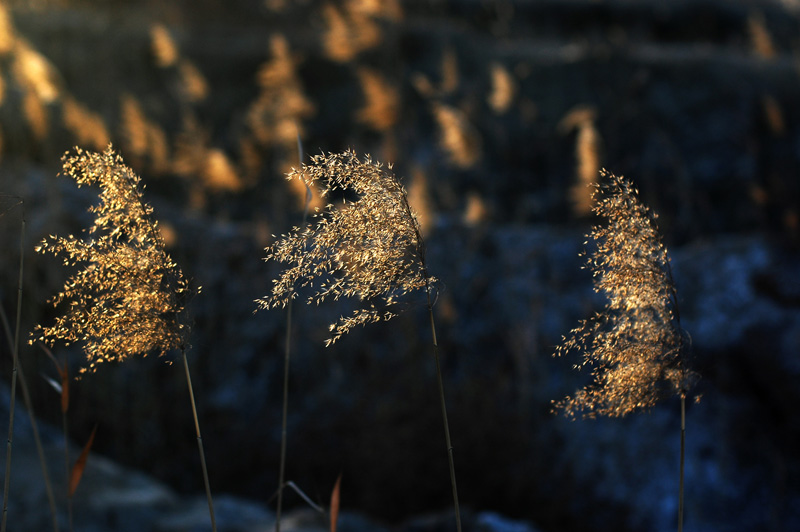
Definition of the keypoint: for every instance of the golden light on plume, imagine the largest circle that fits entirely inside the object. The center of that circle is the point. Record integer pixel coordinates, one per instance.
(348, 33)
(504, 89)
(163, 46)
(587, 155)
(760, 38)
(457, 137)
(381, 106)
(87, 127)
(34, 72)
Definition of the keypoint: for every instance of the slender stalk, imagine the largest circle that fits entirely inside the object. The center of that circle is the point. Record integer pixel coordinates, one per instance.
(683, 454)
(199, 442)
(444, 415)
(67, 466)
(26, 397)
(287, 356)
(7, 480)
(282, 467)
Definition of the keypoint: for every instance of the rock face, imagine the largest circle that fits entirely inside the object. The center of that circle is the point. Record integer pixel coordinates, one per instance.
(496, 114)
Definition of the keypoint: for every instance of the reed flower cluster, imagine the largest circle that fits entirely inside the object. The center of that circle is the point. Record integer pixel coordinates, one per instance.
(368, 246)
(126, 297)
(635, 346)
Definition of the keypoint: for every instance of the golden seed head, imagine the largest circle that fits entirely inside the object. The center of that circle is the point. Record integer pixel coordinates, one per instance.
(368, 247)
(126, 297)
(635, 345)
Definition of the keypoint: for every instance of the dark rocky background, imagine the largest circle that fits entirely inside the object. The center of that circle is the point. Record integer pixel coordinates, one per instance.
(494, 113)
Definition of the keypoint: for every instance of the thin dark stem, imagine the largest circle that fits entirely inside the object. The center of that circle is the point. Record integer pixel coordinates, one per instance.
(285, 415)
(66, 466)
(199, 442)
(287, 357)
(7, 480)
(448, 443)
(26, 397)
(683, 454)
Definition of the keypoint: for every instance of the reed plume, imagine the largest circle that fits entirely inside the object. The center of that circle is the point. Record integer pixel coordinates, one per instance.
(369, 248)
(128, 296)
(635, 345)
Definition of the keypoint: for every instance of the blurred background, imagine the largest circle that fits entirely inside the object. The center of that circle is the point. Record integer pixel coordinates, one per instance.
(496, 115)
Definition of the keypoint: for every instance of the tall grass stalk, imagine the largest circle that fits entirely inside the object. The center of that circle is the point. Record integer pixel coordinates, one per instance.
(635, 347)
(369, 249)
(127, 297)
(286, 362)
(199, 441)
(448, 443)
(15, 354)
(26, 397)
(683, 457)
(67, 463)
(19, 375)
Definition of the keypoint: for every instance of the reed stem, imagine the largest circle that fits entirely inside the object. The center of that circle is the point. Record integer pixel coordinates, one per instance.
(15, 351)
(287, 356)
(67, 465)
(199, 442)
(285, 415)
(448, 443)
(683, 454)
(26, 397)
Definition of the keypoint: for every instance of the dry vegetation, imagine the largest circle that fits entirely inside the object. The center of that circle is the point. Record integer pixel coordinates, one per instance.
(212, 128)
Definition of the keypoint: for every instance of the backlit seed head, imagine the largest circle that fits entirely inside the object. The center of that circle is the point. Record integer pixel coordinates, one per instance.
(635, 346)
(126, 297)
(367, 247)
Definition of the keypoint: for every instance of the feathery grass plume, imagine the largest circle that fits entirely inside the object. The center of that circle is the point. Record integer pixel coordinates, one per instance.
(450, 72)
(193, 86)
(587, 155)
(370, 248)
(635, 345)
(7, 32)
(163, 47)
(503, 89)
(760, 37)
(127, 297)
(276, 116)
(35, 73)
(87, 127)
(773, 115)
(458, 138)
(195, 158)
(348, 31)
(381, 101)
(143, 139)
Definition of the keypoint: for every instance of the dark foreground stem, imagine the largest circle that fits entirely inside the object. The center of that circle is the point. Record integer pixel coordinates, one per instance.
(26, 397)
(444, 417)
(683, 454)
(67, 461)
(7, 480)
(200, 443)
(282, 467)
(287, 356)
